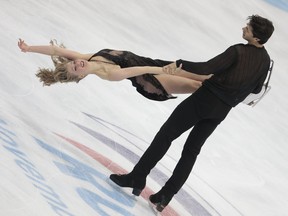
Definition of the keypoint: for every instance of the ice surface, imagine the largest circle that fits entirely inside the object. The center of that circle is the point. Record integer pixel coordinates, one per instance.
(59, 144)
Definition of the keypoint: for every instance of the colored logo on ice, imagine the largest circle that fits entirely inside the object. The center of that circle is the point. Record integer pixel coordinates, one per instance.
(100, 195)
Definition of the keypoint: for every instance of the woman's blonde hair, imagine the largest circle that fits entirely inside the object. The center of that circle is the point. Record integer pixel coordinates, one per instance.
(59, 74)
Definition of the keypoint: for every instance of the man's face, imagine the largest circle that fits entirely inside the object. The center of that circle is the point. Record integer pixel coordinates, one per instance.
(247, 33)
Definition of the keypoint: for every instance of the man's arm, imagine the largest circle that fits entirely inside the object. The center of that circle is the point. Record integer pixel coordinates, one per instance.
(215, 65)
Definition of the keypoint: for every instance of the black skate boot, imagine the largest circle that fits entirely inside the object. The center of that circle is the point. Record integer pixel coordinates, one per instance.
(161, 199)
(128, 180)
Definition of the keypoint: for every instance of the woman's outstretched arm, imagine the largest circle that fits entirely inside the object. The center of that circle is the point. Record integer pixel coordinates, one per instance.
(52, 50)
(124, 73)
(178, 71)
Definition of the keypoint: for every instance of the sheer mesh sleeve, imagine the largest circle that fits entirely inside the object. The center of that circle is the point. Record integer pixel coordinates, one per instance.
(238, 71)
(215, 65)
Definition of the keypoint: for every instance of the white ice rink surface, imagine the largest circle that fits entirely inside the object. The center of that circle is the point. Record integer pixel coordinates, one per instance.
(59, 144)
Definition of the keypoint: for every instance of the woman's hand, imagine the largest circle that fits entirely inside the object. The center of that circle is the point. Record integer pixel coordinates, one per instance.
(172, 68)
(23, 46)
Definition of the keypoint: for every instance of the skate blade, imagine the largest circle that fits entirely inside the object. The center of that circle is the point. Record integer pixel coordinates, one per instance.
(154, 208)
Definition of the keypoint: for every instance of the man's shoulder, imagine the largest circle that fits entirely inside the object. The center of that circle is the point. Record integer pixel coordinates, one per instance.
(238, 45)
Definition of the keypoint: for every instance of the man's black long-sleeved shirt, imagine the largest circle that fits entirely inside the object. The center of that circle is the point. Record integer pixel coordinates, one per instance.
(239, 71)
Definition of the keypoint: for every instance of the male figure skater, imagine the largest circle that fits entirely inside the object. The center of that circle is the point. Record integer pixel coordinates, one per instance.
(238, 71)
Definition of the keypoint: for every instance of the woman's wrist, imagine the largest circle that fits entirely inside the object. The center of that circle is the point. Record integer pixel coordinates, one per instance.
(29, 49)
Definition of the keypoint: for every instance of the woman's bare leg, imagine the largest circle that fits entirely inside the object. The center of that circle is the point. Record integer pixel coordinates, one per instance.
(193, 76)
(178, 85)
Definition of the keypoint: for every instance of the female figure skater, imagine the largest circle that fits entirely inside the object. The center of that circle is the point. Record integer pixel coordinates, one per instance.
(150, 81)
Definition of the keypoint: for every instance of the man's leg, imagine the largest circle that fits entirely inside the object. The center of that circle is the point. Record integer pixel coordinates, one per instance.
(182, 119)
(213, 116)
(192, 148)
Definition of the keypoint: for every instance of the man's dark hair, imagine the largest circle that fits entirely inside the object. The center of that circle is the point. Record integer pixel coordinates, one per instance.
(262, 28)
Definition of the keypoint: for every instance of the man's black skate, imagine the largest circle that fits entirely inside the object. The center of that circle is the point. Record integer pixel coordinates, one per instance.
(129, 181)
(160, 200)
